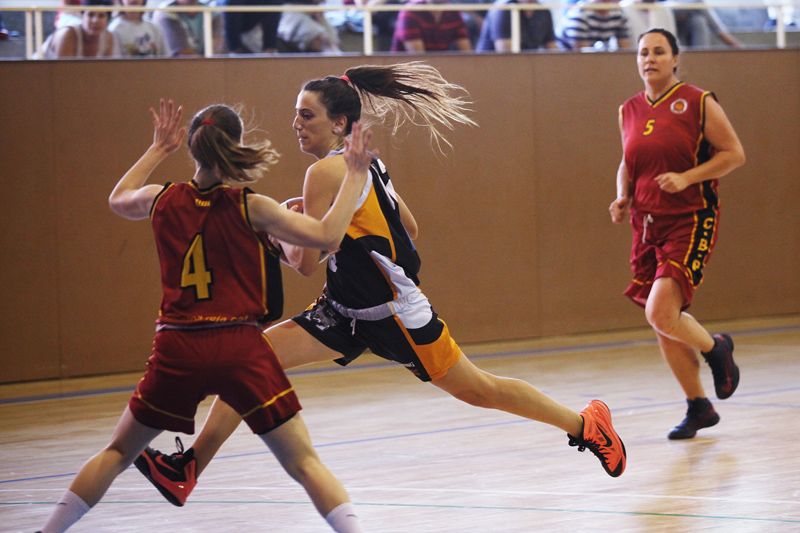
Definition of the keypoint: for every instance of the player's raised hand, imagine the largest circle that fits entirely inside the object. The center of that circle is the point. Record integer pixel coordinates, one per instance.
(168, 133)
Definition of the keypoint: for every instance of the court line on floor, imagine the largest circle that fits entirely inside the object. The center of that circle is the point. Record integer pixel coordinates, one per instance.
(358, 504)
(456, 429)
(531, 352)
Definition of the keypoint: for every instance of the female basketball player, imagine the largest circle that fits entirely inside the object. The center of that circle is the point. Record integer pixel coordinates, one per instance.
(677, 142)
(216, 283)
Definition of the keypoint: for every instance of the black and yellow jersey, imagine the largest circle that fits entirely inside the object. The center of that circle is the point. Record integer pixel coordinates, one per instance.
(377, 261)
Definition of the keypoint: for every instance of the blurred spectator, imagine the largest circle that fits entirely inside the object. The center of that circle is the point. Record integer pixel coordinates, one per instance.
(3, 30)
(68, 18)
(536, 29)
(383, 22)
(308, 32)
(641, 20)
(595, 27)
(783, 10)
(137, 37)
(237, 24)
(696, 27)
(473, 20)
(90, 38)
(430, 31)
(183, 32)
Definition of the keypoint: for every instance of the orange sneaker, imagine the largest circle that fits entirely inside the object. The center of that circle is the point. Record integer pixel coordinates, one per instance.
(175, 475)
(601, 438)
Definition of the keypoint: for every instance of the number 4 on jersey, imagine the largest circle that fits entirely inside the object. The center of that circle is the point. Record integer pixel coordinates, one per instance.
(195, 273)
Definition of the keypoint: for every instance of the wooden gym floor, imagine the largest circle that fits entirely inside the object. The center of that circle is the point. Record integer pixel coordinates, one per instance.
(415, 460)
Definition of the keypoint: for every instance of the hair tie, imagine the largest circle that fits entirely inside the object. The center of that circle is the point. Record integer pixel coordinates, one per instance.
(207, 122)
(345, 78)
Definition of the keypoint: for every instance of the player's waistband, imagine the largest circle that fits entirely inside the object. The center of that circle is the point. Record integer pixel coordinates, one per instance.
(162, 326)
(378, 312)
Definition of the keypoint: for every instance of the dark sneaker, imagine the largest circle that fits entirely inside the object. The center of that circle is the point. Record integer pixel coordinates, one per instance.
(723, 368)
(173, 475)
(601, 438)
(699, 415)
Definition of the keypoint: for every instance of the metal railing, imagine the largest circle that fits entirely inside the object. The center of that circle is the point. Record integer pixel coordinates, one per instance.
(35, 35)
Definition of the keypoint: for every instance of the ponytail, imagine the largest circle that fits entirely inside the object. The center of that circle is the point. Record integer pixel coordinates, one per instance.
(215, 141)
(412, 92)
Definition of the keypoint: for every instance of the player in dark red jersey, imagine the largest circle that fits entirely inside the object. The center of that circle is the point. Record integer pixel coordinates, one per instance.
(372, 299)
(677, 142)
(216, 285)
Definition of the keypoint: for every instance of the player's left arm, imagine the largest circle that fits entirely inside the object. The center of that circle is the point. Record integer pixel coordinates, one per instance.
(728, 152)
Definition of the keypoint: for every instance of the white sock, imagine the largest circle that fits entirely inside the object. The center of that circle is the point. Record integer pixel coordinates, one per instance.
(69, 509)
(343, 519)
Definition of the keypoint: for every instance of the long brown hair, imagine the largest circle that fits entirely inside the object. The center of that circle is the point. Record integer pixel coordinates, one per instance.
(215, 141)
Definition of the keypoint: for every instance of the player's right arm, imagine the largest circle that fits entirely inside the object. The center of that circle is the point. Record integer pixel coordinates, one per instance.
(620, 204)
(131, 198)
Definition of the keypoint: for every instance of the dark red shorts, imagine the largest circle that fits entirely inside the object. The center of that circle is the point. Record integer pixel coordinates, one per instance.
(673, 246)
(236, 363)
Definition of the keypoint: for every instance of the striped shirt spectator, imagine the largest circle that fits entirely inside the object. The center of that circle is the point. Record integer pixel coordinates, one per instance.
(585, 27)
(430, 31)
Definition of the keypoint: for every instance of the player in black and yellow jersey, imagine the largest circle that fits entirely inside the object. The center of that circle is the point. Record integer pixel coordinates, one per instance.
(372, 299)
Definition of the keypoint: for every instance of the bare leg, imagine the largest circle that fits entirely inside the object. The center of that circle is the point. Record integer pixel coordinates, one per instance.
(685, 366)
(294, 347)
(663, 312)
(129, 439)
(291, 445)
(474, 386)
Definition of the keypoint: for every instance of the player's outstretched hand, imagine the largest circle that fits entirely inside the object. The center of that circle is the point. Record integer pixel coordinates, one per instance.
(168, 133)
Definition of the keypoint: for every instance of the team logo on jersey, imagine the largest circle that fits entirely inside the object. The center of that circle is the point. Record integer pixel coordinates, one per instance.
(679, 106)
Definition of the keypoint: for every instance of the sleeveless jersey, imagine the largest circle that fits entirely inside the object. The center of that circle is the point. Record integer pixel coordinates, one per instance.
(667, 136)
(377, 261)
(215, 268)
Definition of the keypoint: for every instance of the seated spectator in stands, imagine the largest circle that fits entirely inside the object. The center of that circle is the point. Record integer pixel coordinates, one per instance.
(641, 20)
(430, 31)
(595, 27)
(183, 32)
(90, 38)
(308, 32)
(3, 30)
(536, 29)
(696, 27)
(237, 24)
(473, 20)
(137, 37)
(68, 18)
(383, 22)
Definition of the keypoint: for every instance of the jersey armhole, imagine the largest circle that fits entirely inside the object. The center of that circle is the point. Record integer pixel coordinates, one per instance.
(261, 236)
(167, 185)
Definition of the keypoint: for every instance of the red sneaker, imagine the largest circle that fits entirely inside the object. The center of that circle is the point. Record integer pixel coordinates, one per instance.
(601, 438)
(175, 475)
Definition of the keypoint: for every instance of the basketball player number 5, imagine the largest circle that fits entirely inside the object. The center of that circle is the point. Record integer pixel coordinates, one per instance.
(649, 126)
(194, 272)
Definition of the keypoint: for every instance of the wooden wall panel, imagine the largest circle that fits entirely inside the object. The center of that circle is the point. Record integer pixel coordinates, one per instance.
(29, 320)
(515, 236)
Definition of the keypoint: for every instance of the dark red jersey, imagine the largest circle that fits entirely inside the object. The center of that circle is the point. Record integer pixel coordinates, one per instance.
(215, 269)
(666, 135)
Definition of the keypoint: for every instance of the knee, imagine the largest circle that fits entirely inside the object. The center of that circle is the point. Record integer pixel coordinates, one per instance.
(661, 318)
(303, 469)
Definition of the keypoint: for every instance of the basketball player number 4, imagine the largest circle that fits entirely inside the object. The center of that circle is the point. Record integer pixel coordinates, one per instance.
(194, 273)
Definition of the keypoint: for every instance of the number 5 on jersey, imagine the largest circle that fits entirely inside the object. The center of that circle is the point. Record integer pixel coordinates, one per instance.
(649, 127)
(195, 273)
